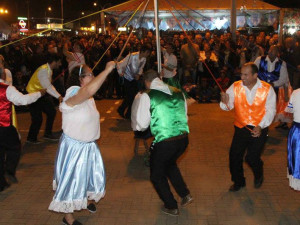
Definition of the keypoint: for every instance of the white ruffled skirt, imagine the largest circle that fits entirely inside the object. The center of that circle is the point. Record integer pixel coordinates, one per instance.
(79, 175)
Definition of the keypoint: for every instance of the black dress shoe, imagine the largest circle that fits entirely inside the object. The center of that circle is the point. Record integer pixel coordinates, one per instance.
(236, 187)
(258, 182)
(186, 200)
(171, 212)
(92, 208)
(76, 222)
(51, 137)
(33, 142)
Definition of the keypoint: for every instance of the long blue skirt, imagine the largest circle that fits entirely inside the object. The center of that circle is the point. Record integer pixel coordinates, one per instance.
(79, 175)
(293, 156)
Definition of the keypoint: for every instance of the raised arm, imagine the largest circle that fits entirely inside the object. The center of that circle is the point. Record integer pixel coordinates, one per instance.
(91, 88)
(67, 53)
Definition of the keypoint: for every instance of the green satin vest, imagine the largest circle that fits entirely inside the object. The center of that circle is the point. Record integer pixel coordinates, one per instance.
(168, 117)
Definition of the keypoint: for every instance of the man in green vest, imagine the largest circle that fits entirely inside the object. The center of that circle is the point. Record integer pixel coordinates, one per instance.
(163, 108)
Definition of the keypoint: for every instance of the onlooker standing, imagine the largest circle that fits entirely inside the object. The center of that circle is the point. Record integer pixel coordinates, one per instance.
(291, 57)
(169, 66)
(189, 55)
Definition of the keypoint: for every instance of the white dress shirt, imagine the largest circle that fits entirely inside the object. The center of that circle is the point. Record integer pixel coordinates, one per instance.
(44, 76)
(170, 61)
(140, 110)
(294, 105)
(8, 79)
(131, 65)
(283, 77)
(270, 106)
(80, 122)
(17, 98)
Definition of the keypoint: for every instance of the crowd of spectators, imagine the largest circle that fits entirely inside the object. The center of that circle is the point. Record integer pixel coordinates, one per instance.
(209, 53)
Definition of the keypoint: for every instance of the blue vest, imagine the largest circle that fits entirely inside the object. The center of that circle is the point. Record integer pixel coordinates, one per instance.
(263, 73)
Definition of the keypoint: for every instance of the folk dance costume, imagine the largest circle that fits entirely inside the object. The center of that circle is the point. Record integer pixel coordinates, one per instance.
(268, 71)
(275, 72)
(79, 173)
(164, 108)
(10, 145)
(130, 66)
(255, 107)
(8, 80)
(41, 79)
(293, 154)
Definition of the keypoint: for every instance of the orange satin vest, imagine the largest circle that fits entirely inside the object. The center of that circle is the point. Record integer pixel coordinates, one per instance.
(246, 114)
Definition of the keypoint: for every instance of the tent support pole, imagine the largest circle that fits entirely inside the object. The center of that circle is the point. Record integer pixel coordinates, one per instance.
(233, 19)
(281, 16)
(158, 51)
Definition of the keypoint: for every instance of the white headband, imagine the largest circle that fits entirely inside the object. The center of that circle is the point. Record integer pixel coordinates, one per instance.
(80, 69)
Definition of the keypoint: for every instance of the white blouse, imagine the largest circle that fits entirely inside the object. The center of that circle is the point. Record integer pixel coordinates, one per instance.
(294, 105)
(80, 122)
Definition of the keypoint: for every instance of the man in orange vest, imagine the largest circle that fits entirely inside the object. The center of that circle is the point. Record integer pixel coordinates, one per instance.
(254, 102)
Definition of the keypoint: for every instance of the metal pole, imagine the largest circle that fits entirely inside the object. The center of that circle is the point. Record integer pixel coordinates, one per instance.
(102, 22)
(62, 10)
(158, 51)
(28, 18)
(233, 19)
(281, 16)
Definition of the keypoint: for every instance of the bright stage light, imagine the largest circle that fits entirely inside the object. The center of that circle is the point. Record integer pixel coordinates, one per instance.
(292, 30)
(122, 29)
(220, 23)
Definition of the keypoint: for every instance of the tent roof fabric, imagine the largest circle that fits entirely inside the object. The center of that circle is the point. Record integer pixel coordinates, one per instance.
(200, 5)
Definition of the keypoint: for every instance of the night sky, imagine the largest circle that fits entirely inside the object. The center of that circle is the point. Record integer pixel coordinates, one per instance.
(73, 8)
(38, 8)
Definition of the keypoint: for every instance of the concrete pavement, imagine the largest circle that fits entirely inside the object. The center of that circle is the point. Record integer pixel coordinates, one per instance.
(130, 198)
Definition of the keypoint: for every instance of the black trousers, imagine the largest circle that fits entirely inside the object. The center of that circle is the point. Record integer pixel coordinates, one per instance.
(131, 89)
(44, 104)
(242, 141)
(10, 151)
(163, 166)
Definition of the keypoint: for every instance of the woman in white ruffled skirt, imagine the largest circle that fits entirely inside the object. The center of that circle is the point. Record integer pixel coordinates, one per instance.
(79, 174)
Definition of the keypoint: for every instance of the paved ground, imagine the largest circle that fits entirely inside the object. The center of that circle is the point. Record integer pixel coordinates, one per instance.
(130, 197)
